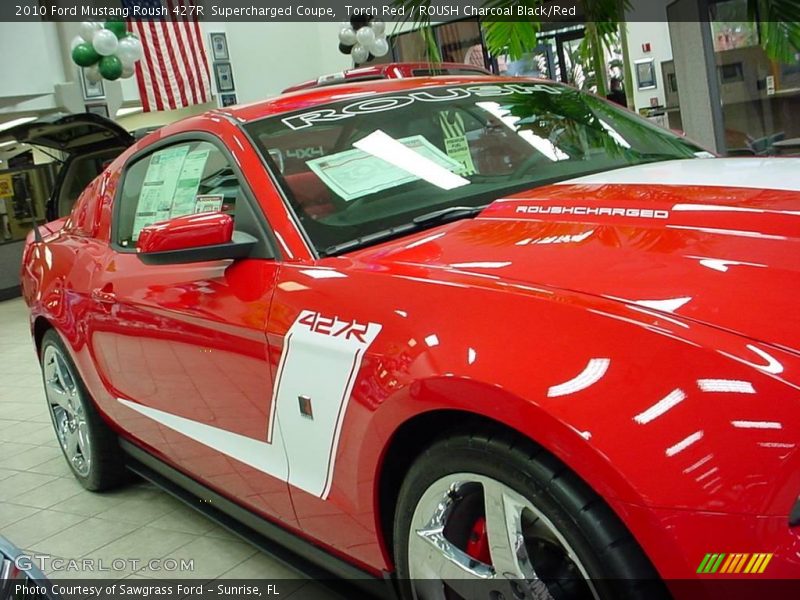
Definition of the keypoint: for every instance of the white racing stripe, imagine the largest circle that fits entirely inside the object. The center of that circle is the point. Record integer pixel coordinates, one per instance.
(753, 173)
(320, 360)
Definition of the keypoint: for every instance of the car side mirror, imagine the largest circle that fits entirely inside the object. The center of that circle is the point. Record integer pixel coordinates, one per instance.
(193, 238)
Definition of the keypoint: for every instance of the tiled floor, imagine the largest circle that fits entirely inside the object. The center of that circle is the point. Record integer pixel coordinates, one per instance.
(44, 510)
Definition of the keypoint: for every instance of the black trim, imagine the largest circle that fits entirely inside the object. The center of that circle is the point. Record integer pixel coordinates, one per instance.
(241, 247)
(271, 249)
(293, 551)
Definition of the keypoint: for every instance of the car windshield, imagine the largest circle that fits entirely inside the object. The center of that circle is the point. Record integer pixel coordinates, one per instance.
(373, 166)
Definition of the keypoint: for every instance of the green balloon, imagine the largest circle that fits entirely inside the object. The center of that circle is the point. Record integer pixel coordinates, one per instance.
(85, 55)
(110, 67)
(119, 28)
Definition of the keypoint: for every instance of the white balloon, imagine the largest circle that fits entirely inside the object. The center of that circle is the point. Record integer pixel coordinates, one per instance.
(92, 74)
(380, 47)
(365, 36)
(347, 36)
(77, 40)
(359, 53)
(129, 50)
(127, 71)
(105, 42)
(88, 29)
(378, 27)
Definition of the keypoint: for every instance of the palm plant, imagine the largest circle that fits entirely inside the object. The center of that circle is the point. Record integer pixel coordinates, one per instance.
(778, 25)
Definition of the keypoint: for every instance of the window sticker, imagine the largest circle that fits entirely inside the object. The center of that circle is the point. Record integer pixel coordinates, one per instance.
(455, 141)
(191, 173)
(208, 203)
(170, 186)
(354, 173)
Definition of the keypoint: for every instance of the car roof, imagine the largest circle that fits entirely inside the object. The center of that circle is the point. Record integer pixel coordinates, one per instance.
(393, 70)
(309, 98)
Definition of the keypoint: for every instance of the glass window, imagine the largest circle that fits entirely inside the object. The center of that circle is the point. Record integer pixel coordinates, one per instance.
(178, 180)
(356, 168)
(760, 97)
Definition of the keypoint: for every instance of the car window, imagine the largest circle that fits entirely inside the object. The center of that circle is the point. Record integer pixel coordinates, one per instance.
(175, 181)
(81, 170)
(380, 161)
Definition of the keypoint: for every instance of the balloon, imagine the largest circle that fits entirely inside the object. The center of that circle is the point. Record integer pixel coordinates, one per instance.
(76, 41)
(129, 50)
(110, 67)
(347, 36)
(365, 36)
(88, 29)
(92, 74)
(127, 71)
(345, 49)
(84, 55)
(118, 28)
(360, 54)
(380, 47)
(105, 42)
(378, 27)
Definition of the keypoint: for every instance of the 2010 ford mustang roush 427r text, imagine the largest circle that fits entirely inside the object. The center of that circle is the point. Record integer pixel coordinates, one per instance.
(488, 335)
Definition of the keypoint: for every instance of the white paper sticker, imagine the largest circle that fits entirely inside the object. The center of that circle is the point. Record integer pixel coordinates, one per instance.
(208, 203)
(170, 186)
(354, 173)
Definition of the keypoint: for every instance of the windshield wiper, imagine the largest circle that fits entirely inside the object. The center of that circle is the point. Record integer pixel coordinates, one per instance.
(443, 215)
(451, 213)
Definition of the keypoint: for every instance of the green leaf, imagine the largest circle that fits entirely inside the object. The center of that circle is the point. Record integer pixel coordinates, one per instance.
(778, 27)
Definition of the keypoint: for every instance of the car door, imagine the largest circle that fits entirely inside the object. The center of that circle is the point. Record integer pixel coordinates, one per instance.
(182, 347)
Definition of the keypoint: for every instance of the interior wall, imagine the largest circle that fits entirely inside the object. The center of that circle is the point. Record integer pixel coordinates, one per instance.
(657, 35)
(268, 57)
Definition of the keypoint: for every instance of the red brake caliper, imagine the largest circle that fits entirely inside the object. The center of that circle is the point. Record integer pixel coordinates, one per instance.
(478, 542)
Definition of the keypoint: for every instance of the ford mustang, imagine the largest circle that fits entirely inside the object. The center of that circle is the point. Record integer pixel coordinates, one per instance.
(489, 337)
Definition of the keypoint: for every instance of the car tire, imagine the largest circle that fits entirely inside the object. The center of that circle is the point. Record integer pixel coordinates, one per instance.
(469, 485)
(90, 447)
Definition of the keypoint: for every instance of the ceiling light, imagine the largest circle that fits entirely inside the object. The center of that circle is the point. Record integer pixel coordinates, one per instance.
(124, 112)
(15, 122)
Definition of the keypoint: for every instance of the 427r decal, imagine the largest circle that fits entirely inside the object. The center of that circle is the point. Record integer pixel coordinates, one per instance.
(317, 370)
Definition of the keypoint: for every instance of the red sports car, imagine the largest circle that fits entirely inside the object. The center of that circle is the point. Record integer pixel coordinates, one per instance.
(493, 337)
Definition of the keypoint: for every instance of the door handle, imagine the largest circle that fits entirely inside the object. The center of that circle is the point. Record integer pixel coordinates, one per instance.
(105, 297)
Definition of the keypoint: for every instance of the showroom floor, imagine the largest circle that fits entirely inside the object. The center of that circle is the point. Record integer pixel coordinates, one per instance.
(44, 510)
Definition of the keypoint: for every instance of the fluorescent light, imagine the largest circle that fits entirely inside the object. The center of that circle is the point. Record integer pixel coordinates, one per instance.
(546, 147)
(15, 122)
(757, 424)
(672, 399)
(684, 443)
(12, 142)
(726, 385)
(594, 371)
(124, 112)
(399, 155)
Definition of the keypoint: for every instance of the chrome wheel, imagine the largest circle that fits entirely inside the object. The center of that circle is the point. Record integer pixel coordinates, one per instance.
(67, 409)
(474, 537)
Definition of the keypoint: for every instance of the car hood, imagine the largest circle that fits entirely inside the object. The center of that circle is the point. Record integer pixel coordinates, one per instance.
(712, 240)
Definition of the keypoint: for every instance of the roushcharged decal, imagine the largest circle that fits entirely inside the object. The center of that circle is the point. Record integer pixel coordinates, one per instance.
(318, 367)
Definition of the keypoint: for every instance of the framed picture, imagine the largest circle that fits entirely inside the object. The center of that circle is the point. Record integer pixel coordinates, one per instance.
(219, 46)
(98, 109)
(228, 99)
(645, 74)
(223, 72)
(91, 91)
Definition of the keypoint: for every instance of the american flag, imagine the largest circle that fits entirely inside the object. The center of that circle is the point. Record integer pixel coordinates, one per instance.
(174, 71)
